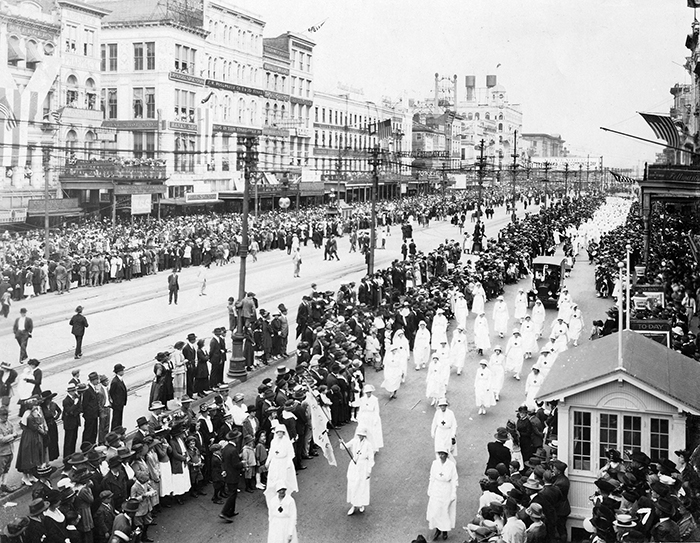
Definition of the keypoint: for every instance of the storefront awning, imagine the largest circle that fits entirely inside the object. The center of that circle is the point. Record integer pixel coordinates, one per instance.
(183, 202)
(14, 51)
(33, 53)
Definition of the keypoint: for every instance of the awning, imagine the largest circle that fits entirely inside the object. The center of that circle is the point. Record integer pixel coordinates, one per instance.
(14, 51)
(33, 54)
(183, 202)
(67, 212)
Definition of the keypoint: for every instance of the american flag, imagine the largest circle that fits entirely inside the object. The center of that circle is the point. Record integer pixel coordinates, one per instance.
(384, 130)
(316, 28)
(7, 114)
(664, 128)
(622, 178)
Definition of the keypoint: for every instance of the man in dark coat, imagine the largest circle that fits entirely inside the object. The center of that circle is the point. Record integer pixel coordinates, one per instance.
(498, 452)
(173, 287)
(189, 351)
(232, 466)
(217, 359)
(303, 313)
(23, 328)
(78, 324)
(667, 529)
(91, 409)
(563, 507)
(8, 377)
(117, 396)
(71, 420)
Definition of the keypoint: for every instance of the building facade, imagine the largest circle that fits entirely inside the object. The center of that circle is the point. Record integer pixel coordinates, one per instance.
(543, 145)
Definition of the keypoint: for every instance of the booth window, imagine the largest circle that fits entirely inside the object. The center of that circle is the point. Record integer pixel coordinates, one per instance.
(582, 441)
(659, 434)
(608, 435)
(631, 433)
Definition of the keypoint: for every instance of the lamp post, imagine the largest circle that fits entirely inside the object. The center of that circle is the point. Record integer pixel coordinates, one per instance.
(481, 179)
(237, 368)
(628, 251)
(515, 172)
(620, 266)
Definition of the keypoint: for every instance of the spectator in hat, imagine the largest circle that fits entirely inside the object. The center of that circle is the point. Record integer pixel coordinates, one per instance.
(36, 530)
(31, 451)
(7, 438)
(537, 531)
(8, 381)
(666, 529)
(563, 507)
(689, 476)
(217, 358)
(104, 517)
(91, 408)
(29, 383)
(23, 329)
(232, 467)
(105, 409)
(498, 452)
(51, 412)
(189, 351)
(123, 526)
(117, 395)
(78, 324)
(116, 481)
(201, 374)
(71, 419)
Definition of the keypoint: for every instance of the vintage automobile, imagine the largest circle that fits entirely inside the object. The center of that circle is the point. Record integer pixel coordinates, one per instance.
(548, 274)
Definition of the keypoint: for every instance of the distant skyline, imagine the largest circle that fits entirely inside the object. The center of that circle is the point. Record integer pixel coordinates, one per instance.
(573, 67)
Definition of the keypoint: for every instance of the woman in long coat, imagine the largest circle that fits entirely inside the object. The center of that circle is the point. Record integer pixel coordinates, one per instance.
(458, 349)
(437, 379)
(444, 428)
(280, 461)
(158, 383)
(31, 451)
(51, 412)
(500, 317)
(529, 335)
(177, 361)
(538, 317)
(575, 325)
(442, 491)
(201, 372)
(482, 341)
(393, 371)
(421, 346)
(439, 328)
(479, 298)
(359, 470)
(281, 516)
(515, 354)
(498, 371)
(483, 391)
(369, 418)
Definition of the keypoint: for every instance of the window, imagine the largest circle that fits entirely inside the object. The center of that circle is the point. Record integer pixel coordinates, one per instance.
(184, 106)
(88, 42)
(184, 152)
(103, 57)
(301, 60)
(71, 37)
(145, 55)
(226, 148)
(659, 434)
(72, 91)
(90, 94)
(112, 56)
(184, 59)
(111, 103)
(138, 103)
(293, 89)
(608, 436)
(631, 433)
(316, 114)
(308, 63)
(582, 441)
(179, 191)
(308, 88)
(487, 116)
(150, 103)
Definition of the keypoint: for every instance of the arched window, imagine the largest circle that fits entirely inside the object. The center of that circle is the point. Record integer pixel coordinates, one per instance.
(476, 116)
(500, 117)
(15, 51)
(487, 116)
(72, 91)
(283, 113)
(253, 112)
(90, 143)
(267, 113)
(241, 109)
(500, 127)
(470, 117)
(90, 94)
(274, 114)
(71, 140)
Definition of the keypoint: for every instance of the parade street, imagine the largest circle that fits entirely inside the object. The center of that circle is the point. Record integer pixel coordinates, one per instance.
(131, 322)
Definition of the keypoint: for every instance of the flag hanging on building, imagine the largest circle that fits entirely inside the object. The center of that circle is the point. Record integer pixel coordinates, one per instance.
(316, 28)
(206, 99)
(664, 128)
(319, 423)
(694, 3)
(7, 114)
(384, 130)
(54, 116)
(622, 178)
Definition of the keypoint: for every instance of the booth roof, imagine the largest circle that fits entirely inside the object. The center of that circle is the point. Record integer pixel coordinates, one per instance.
(672, 374)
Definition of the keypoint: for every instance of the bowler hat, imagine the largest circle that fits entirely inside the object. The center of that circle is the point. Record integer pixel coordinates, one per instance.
(604, 485)
(37, 506)
(94, 376)
(77, 458)
(665, 507)
(141, 421)
(191, 336)
(114, 461)
(118, 368)
(16, 528)
(130, 506)
(233, 434)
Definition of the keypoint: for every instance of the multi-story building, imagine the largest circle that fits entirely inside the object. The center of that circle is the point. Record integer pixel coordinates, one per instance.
(542, 145)
(31, 51)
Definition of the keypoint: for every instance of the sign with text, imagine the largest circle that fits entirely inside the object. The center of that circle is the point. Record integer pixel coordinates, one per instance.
(186, 78)
(232, 87)
(657, 329)
(201, 197)
(140, 204)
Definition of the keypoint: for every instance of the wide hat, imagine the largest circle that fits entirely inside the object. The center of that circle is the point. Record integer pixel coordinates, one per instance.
(114, 461)
(112, 438)
(533, 462)
(5, 365)
(44, 470)
(37, 506)
(77, 458)
(233, 434)
(442, 401)
(16, 527)
(604, 485)
(532, 484)
(501, 433)
(130, 506)
(156, 405)
(665, 507)
(535, 510)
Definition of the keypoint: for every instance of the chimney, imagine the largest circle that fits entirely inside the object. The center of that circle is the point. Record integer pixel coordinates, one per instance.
(455, 87)
(470, 82)
(490, 81)
(437, 91)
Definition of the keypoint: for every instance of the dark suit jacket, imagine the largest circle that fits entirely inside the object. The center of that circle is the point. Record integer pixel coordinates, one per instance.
(173, 283)
(498, 454)
(117, 392)
(91, 404)
(303, 313)
(78, 323)
(28, 326)
(215, 351)
(71, 413)
(231, 463)
(666, 530)
(6, 386)
(563, 507)
(189, 351)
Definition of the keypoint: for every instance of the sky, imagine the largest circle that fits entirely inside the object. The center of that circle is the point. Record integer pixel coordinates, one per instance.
(573, 66)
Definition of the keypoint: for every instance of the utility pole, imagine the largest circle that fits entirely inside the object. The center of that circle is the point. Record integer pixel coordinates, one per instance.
(237, 366)
(47, 167)
(444, 180)
(546, 180)
(481, 178)
(515, 172)
(580, 175)
(588, 170)
(375, 162)
(566, 180)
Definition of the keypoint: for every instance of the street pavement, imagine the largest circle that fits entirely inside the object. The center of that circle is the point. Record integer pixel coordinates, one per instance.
(131, 322)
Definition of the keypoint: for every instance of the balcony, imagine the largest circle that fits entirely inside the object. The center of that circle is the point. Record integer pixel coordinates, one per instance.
(73, 113)
(116, 170)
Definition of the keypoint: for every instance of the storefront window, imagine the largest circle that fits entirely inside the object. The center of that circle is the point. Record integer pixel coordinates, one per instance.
(582, 441)
(608, 436)
(658, 447)
(631, 433)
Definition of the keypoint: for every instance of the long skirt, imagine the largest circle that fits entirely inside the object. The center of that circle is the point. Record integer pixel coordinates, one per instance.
(181, 482)
(166, 479)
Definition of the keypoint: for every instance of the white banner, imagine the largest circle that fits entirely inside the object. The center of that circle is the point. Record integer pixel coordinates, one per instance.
(140, 204)
(319, 429)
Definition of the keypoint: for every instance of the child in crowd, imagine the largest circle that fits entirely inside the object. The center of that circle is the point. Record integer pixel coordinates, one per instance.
(249, 462)
(261, 459)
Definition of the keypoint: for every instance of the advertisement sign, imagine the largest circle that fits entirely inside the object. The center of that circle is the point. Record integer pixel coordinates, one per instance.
(657, 329)
(140, 204)
(201, 197)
